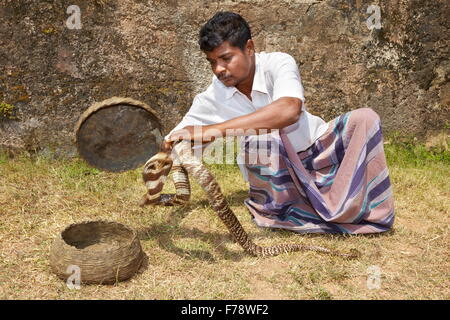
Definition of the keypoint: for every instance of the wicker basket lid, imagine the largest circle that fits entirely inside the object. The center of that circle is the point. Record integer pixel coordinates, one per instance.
(118, 134)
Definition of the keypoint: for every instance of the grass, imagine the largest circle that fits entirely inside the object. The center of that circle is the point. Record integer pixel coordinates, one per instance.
(191, 255)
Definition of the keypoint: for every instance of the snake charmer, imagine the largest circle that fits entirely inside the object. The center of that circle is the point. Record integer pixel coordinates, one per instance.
(326, 177)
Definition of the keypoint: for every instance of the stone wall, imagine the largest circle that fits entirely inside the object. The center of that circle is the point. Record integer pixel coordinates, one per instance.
(147, 50)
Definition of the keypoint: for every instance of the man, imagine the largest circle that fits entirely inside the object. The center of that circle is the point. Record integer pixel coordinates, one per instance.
(249, 91)
(304, 191)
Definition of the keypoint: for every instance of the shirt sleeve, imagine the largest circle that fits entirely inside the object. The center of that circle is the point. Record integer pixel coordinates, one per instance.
(287, 80)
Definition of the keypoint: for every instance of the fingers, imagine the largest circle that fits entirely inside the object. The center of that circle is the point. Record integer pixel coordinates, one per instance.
(195, 133)
(166, 146)
(182, 134)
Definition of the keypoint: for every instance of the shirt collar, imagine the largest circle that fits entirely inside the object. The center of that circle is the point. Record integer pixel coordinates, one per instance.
(227, 92)
(259, 81)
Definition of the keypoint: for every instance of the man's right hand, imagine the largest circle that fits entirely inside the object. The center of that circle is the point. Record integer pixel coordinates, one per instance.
(166, 146)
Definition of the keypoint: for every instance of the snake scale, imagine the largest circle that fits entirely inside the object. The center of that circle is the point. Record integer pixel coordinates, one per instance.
(183, 164)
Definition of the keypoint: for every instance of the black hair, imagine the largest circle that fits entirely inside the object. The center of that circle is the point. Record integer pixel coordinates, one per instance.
(224, 26)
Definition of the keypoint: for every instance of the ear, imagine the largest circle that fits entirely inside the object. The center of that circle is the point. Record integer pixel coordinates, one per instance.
(250, 47)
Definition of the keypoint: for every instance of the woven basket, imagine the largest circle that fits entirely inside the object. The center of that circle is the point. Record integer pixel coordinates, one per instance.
(105, 252)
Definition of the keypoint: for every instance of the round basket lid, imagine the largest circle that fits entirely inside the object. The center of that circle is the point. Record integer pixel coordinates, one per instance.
(118, 134)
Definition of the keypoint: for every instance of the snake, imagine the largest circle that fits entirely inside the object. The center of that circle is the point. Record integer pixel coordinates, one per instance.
(183, 164)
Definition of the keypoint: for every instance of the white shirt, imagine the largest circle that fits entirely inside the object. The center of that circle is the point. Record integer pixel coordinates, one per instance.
(276, 76)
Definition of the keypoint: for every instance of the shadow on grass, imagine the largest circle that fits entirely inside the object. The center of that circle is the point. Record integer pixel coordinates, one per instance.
(165, 232)
(341, 236)
(234, 199)
(144, 265)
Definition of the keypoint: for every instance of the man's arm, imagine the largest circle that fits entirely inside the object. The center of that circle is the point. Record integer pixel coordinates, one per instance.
(276, 115)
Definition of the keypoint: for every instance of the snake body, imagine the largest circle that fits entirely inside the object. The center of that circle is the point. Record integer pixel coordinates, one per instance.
(184, 164)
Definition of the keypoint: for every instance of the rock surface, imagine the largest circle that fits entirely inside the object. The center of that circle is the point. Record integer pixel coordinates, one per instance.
(147, 50)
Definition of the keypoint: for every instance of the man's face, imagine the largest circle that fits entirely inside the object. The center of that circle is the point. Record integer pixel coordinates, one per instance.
(230, 64)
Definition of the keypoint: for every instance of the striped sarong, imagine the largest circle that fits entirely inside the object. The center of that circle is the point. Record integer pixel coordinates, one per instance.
(340, 184)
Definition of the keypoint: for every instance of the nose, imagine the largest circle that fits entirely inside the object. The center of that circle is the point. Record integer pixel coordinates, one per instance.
(219, 69)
